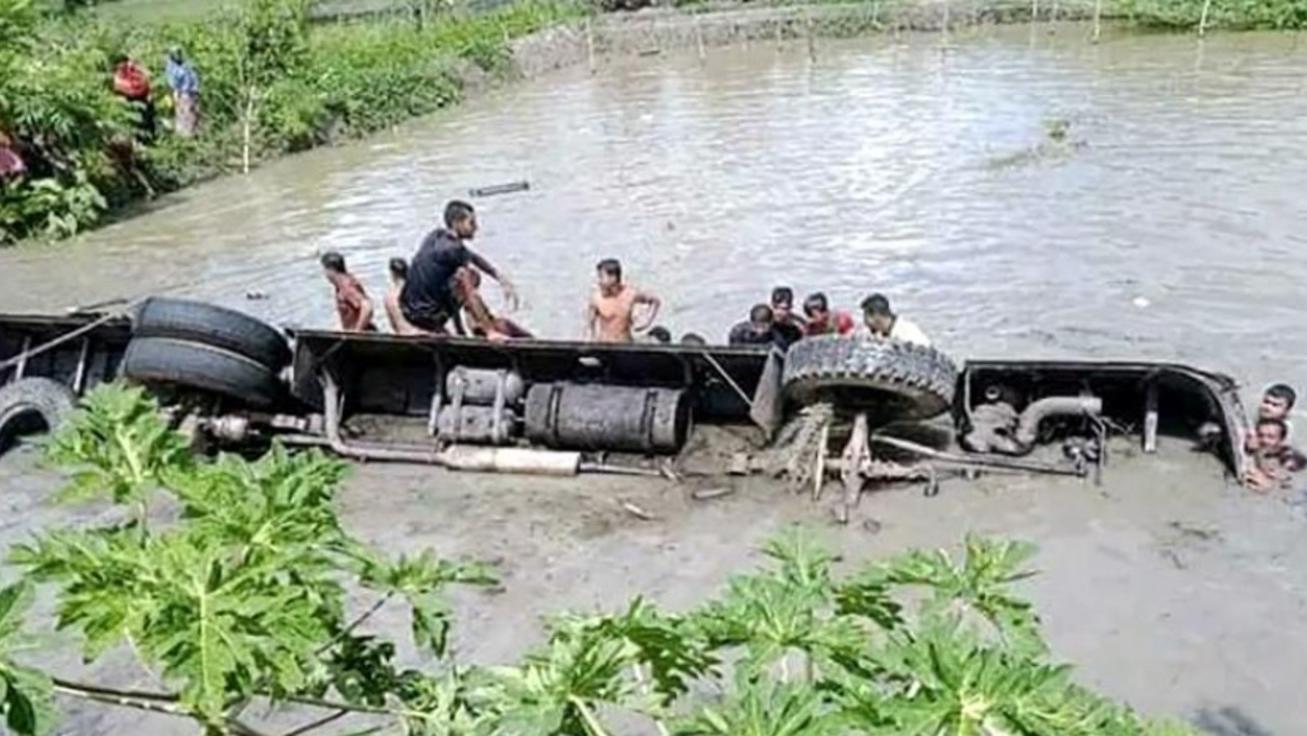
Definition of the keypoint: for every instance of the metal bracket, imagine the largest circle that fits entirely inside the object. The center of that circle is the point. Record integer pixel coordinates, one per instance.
(79, 378)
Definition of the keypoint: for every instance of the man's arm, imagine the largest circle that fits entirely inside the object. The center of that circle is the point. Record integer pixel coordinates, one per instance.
(510, 291)
(589, 316)
(654, 304)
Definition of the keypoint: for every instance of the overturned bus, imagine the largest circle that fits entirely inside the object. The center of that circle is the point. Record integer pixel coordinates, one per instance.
(559, 407)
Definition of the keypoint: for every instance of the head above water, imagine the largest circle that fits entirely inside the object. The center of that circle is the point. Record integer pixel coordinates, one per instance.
(610, 273)
(1277, 402)
(461, 219)
(1271, 433)
(660, 334)
(398, 269)
(816, 307)
(333, 262)
(761, 318)
(877, 315)
(693, 338)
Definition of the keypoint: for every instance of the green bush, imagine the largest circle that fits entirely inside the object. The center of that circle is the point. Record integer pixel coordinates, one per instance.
(300, 85)
(1222, 14)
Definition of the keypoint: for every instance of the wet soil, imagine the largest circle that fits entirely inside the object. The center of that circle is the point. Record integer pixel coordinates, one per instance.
(1167, 587)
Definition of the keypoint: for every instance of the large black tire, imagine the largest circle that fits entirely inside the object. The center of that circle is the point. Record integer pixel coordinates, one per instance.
(30, 404)
(233, 331)
(894, 380)
(194, 365)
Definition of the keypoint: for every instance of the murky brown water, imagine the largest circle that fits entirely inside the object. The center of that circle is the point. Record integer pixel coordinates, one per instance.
(1177, 232)
(887, 165)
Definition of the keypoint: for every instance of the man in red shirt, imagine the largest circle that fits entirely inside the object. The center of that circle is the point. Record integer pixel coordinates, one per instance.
(352, 302)
(822, 321)
(132, 83)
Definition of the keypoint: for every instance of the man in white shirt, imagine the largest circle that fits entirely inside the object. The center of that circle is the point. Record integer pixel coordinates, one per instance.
(881, 321)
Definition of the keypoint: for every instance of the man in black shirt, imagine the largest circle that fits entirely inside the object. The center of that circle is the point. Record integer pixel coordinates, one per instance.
(440, 274)
(788, 325)
(760, 329)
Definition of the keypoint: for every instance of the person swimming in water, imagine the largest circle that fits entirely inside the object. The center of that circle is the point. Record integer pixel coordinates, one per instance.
(610, 313)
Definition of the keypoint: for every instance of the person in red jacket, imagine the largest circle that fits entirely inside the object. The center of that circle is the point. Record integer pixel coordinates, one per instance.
(132, 82)
(11, 164)
(822, 321)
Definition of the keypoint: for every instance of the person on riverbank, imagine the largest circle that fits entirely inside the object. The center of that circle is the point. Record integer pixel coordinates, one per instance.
(398, 268)
(352, 303)
(1274, 460)
(12, 165)
(788, 325)
(610, 315)
(823, 321)
(131, 82)
(185, 84)
(759, 329)
(438, 276)
(881, 321)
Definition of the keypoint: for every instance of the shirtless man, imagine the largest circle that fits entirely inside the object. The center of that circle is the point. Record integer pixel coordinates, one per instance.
(398, 275)
(352, 303)
(480, 321)
(610, 315)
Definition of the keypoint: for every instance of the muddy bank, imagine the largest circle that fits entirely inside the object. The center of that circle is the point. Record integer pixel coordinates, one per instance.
(1165, 587)
(658, 30)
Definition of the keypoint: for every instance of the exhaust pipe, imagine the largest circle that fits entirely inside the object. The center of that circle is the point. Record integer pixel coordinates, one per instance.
(1036, 413)
(487, 459)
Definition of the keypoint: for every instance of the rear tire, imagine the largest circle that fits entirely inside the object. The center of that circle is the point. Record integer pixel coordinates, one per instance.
(194, 365)
(235, 332)
(29, 403)
(893, 380)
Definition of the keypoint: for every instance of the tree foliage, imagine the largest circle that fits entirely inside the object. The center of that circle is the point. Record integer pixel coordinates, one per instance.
(270, 83)
(241, 596)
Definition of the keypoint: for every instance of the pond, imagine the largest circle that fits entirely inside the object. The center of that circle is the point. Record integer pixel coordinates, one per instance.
(1167, 224)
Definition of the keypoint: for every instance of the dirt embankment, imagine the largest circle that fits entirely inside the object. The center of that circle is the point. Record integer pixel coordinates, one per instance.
(659, 30)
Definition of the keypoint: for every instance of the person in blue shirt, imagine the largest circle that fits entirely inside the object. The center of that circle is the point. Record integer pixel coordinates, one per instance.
(185, 84)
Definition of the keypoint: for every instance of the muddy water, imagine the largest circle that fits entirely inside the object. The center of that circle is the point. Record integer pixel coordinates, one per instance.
(1173, 228)
(1175, 231)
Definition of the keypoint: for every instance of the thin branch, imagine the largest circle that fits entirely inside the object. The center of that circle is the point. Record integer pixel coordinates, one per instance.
(317, 724)
(592, 724)
(352, 708)
(153, 706)
(150, 702)
(349, 628)
(84, 688)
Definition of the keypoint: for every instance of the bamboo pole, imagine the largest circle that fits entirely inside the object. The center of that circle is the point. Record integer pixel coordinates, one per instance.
(1202, 22)
(812, 40)
(1098, 20)
(698, 36)
(590, 44)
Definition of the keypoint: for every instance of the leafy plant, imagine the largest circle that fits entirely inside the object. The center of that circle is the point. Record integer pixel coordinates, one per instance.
(240, 596)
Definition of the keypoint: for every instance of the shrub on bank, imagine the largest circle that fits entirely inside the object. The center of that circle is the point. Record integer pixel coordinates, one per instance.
(1221, 14)
(271, 83)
